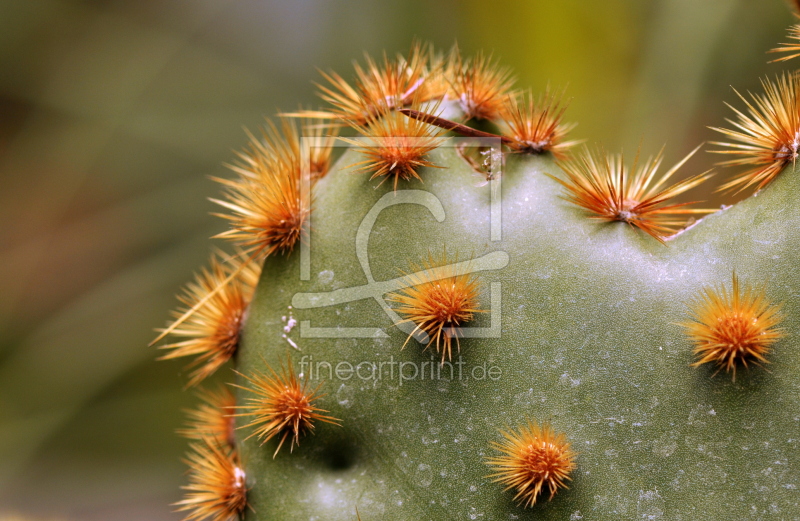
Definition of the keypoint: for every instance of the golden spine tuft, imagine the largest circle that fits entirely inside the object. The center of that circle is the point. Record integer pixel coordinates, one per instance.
(608, 191)
(534, 126)
(481, 86)
(395, 147)
(382, 86)
(281, 406)
(768, 137)
(438, 301)
(213, 418)
(216, 488)
(533, 458)
(268, 209)
(733, 328)
(211, 331)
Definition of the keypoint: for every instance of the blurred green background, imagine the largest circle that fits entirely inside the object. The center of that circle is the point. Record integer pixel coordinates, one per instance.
(114, 113)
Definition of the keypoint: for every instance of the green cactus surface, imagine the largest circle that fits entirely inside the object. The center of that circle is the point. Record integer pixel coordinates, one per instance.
(582, 331)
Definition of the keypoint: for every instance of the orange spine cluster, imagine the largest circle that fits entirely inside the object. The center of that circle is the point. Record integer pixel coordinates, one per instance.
(609, 191)
(767, 138)
(438, 301)
(533, 459)
(389, 85)
(267, 204)
(282, 406)
(395, 147)
(534, 126)
(481, 86)
(217, 488)
(731, 328)
(218, 299)
(213, 418)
